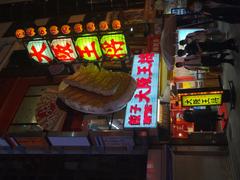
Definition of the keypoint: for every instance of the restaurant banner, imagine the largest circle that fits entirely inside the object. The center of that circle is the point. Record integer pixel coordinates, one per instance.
(202, 100)
(141, 111)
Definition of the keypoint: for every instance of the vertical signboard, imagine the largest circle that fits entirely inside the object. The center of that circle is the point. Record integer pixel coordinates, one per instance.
(141, 111)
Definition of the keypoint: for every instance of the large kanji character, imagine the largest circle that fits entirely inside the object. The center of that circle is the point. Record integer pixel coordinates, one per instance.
(63, 53)
(196, 101)
(146, 58)
(143, 96)
(112, 48)
(188, 101)
(88, 51)
(147, 114)
(215, 100)
(206, 101)
(134, 108)
(134, 120)
(145, 70)
(144, 83)
(40, 54)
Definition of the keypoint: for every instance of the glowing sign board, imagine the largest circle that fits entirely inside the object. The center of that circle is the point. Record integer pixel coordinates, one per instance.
(114, 46)
(202, 100)
(88, 48)
(63, 49)
(40, 51)
(141, 111)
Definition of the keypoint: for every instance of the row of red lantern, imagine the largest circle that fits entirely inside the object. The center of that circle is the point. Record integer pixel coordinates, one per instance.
(66, 29)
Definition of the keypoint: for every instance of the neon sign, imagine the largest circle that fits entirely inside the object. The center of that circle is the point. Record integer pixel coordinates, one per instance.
(114, 46)
(63, 49)
(202, 100)
(141, 111)
(88, 48)
(40, 51)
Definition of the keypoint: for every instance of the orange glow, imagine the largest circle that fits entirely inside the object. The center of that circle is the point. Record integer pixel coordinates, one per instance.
(42, 31)
(20, 33)
(30, 32)
(78, 28)
(116, 24)
(90, 27)
(103, 25)
(54, 30)
(65, 29)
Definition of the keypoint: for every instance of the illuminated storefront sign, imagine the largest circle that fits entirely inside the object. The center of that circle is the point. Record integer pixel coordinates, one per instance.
(202, 100)
(114, 46)
(40, 51)
(63, 49)
(88, 48)
(141, 111)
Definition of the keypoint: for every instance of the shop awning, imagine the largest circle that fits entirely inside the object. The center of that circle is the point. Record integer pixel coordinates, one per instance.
(168, 40)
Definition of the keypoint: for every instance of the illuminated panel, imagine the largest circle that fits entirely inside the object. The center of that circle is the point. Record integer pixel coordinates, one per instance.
(202, 100)
(88, 48)
(114, 46)
(141, 111)
(40, 51)
(63, 49)
(182, 33)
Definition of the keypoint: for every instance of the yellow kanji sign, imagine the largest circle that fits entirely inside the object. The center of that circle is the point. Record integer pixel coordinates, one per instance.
(202, 100)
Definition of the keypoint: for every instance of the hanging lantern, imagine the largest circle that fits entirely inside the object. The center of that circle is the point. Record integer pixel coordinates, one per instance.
(65, 29)
(78, 28)
(63, 49)
(42, 31)
(40, 51)
(103, 25)
(114, 46)
(20, 33)
(54, 30)
(90, 27)
(116, 24)
(88, 48)
(30, 32)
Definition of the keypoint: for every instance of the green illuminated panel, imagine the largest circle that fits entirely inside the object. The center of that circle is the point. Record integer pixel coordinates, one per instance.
(40, 51)
(114, 46)
(88, 48)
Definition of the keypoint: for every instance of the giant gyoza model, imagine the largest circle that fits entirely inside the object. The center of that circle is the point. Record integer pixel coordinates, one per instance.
(97, 91)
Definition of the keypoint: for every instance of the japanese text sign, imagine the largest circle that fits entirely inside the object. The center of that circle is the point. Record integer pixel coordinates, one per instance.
(141, 111)
(63, 49)
(40, 51)
(114, 46)
(202, 100)
(88, 48)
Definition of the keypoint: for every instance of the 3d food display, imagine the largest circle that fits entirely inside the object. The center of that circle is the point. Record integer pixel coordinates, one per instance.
(95, 91)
